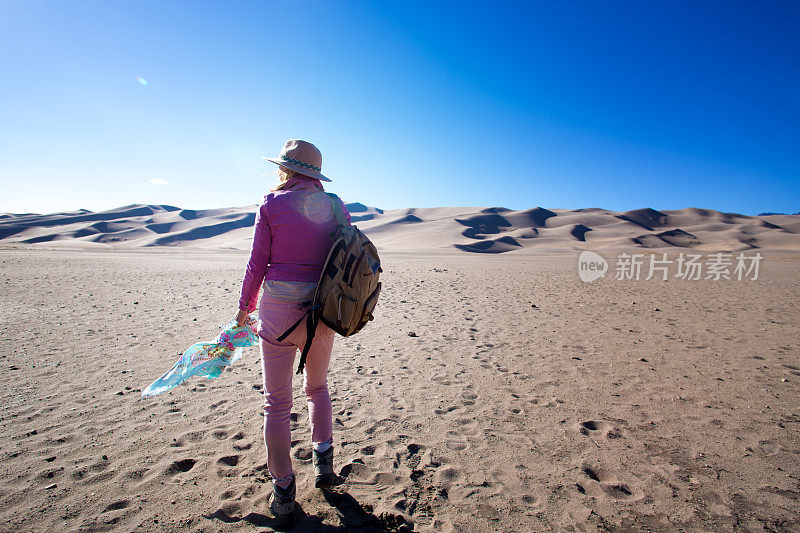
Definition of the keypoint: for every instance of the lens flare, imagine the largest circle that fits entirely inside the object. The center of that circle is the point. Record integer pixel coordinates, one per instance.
(142, 81)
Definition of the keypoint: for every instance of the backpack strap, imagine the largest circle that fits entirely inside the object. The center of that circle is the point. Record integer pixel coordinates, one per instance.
(312, 319)
(336, 204)
(293, 327)
(311, 330)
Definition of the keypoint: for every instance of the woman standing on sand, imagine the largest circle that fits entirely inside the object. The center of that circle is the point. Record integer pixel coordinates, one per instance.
(290, 244)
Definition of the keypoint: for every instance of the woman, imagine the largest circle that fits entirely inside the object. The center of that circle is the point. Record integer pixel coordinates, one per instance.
(290, 244)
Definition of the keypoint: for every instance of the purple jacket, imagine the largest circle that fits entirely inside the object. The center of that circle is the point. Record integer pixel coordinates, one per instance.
(291, 237)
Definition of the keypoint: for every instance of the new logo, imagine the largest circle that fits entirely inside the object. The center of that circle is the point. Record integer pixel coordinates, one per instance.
(591, 266)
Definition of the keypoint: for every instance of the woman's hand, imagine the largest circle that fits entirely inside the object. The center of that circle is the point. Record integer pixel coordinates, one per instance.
(240, 317)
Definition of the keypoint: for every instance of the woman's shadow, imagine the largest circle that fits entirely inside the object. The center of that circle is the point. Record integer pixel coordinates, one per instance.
(353, 516)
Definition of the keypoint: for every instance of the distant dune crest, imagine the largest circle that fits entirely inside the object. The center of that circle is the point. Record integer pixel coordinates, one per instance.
(488, 230)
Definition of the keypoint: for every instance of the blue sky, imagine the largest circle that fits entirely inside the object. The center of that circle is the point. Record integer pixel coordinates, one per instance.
(618, 105)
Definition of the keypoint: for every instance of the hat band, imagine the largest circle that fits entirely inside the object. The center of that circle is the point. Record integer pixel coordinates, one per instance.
(298, 162)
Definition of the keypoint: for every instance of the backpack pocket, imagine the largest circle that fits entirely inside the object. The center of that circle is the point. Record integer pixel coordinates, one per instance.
(357, 267)
(346, 313)
(369, 306)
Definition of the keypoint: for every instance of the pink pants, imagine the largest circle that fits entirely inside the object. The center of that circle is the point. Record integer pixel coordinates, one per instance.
(277, 369)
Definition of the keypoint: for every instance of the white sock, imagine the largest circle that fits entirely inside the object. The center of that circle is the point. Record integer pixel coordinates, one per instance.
(322, 447)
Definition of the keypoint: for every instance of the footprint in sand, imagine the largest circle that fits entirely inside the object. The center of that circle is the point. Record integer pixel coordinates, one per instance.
(769, 447)
(368, 450)
(227, 495)
(220, 434)
(382, 426)
(240, 446)
(229, 460)
(447, 475)
(359, 473)
(227, 464)
(457, 444)
(218, 404)
(466, 426)
(192, 436)
(121, 504)
(411, 455)
(444, 410)
(599, 482)
(468, 398)
(531, 501)
(594, 428)
(136, 475)
(181, 465)
(442, 379)
(548, 402)
(302, 453)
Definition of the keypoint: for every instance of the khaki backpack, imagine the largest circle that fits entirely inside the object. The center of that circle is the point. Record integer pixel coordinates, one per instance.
(348, 287)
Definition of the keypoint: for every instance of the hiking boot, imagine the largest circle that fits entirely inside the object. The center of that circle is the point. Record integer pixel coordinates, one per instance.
(323, 468)
(282, 504)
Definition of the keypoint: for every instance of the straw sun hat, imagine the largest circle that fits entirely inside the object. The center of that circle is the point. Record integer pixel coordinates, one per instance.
(302, 157)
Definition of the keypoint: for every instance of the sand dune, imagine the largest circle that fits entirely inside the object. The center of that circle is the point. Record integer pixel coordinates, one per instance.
(466, 229)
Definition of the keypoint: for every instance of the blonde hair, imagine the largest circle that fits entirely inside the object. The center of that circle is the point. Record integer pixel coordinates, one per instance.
(284, 175)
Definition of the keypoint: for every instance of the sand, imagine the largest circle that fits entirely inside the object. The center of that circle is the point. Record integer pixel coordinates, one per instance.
(493, 392)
